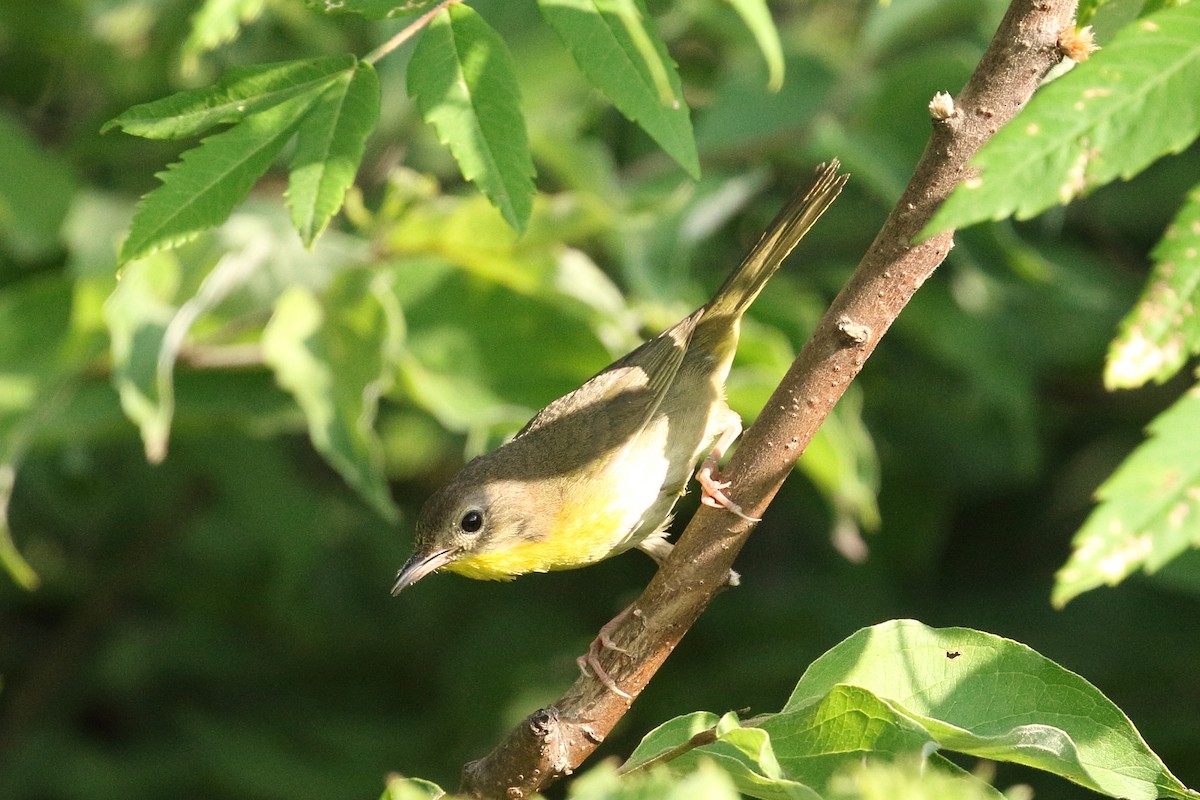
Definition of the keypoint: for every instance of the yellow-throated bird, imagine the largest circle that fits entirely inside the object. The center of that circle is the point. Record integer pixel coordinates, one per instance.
(597, 471)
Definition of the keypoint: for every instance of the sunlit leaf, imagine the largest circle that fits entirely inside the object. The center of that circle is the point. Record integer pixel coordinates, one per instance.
(983, 695)
(336, 355)
(757, 17)
(329, 148)
(1163, 329)
(35, 190)
(1132, 102)
(216, 23)
(1149, 508)
(618, 48)
(210, 180)
(241, 92)
(464, 80)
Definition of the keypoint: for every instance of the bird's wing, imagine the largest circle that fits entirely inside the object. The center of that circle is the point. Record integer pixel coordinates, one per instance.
(630, 389)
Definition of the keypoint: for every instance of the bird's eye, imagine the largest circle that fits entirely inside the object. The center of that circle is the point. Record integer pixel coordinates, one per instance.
(472, 521)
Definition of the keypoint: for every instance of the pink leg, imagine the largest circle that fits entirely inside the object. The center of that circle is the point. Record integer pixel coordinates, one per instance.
(708, 477)
(589, 661)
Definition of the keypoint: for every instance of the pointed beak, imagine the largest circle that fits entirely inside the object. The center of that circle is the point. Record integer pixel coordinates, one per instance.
(420, 564)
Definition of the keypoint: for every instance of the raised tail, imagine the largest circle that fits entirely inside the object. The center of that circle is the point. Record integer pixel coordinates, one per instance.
(784, 232)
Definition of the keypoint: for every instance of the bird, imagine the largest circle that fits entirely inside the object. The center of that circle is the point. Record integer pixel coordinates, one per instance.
(599, 470)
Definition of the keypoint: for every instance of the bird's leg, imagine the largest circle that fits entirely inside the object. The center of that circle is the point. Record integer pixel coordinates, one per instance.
(590, 662)
(709, 478)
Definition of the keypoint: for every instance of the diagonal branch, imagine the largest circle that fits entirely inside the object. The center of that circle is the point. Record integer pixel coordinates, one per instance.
(554, 741)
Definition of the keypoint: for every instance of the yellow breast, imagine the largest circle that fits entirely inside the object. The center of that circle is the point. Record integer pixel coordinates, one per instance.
(602, 516)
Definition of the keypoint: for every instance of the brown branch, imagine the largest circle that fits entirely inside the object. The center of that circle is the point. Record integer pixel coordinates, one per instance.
(553, 741)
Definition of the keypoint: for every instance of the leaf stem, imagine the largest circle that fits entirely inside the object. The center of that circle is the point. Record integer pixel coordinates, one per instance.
(406, 34)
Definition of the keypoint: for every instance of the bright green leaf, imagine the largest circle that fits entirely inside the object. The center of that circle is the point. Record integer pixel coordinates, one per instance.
(603, 37)
(1149, 508)
(215, 23)
(242, 92)
(138, 314)
(984, 695)
(464, 80)
(149, 330)
(1132, 102)
(329, 148)
(1163, 329)
(336, 355)
(757, 17)
(400, 788)
(202, 189)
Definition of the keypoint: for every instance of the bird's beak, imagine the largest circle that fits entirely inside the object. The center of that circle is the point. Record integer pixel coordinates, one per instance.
(420, 564)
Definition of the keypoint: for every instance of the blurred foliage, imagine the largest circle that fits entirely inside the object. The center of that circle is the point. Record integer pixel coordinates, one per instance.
(217, 624)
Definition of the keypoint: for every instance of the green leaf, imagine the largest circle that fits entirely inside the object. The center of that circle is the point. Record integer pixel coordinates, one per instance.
(757, 17)
(991, 697)
(1149, 508)
(34, 321)
(150, 315)
(336, 355)
(202, 189)
(329, 148)
(401, 788)
(465, 83)
(1132, 102)
(372, 9)
(242, 92)
(35, 190)
(138, 314)
(1163, 329)
(621, 53)
(215, 23)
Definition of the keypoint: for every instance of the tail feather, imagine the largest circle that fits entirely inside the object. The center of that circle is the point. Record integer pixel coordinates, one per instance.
(784, 232)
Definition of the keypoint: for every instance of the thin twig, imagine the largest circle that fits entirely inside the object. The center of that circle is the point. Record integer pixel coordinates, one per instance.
(554, 741)
(406, 34)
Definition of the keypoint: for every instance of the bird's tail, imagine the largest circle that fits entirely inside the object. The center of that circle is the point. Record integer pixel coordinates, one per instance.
(784, 232)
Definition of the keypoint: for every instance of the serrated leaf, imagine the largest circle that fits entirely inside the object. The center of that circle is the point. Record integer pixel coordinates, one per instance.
(336, 355)
(465, 83)
(241, 92)
(1109, 117)
(329, 148)
(757, 17)
(1163, 329)
(603, 37)
(984, 695)
(215, 23)
(1149, 508)
(209, 180)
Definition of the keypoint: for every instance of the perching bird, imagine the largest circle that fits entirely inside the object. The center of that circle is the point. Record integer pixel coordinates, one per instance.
(598, 471)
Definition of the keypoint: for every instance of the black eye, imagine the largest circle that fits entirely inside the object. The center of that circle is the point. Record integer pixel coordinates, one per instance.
(472, 521)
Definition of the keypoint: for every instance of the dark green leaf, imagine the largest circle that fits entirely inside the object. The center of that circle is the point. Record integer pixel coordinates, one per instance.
(621, 53)
(1132, 102)
(35, 190)
(463, 78)
(329, 148)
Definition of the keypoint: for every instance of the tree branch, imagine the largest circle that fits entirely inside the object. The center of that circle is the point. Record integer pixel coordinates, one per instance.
(553, 741)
